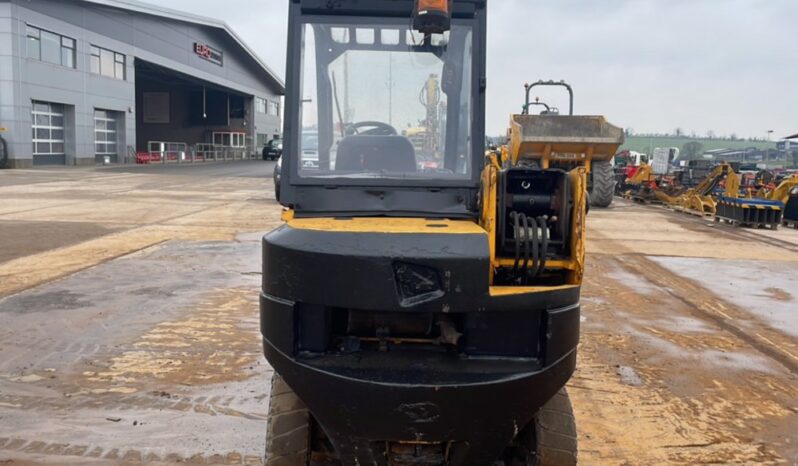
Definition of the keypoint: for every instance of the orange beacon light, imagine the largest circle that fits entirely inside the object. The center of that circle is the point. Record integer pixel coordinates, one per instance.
(432, 16)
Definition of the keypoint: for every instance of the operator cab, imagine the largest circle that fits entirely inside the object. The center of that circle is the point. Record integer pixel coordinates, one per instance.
(394, 113)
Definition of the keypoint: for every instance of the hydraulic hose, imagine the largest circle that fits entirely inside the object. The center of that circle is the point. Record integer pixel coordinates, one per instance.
(517, 232)
(535, 246)
(544, 233)
(535, 236)
(525, 222)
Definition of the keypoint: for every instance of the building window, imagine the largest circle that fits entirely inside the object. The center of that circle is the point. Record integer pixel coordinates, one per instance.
(50, 47)
(273, 108)
(104, 133)
(237, 140)
(107, 63)
(48, 129)
(266, 106)
(260, 105)
(34, 43)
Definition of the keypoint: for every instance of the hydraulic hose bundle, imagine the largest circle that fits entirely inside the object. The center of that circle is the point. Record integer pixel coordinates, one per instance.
(535, 246)
(533, 224)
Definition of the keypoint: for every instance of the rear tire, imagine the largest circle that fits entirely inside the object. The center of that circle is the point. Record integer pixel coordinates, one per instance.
(555, 433)
(548, 440)
(603, 184)
(288, 427)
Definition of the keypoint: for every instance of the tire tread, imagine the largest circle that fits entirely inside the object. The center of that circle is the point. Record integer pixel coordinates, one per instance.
(603, 184)
(287, 428)
(555, 433)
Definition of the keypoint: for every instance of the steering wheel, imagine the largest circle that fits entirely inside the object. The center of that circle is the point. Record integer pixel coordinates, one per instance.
(378, 128)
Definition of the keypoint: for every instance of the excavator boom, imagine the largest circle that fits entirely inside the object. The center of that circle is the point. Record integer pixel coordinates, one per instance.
(782, 192)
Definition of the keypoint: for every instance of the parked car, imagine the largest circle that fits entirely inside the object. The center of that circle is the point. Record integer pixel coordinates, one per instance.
(309, 158)
(273, 149)
(310, 150)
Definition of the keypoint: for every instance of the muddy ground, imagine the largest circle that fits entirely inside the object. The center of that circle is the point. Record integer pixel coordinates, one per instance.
(129, 326)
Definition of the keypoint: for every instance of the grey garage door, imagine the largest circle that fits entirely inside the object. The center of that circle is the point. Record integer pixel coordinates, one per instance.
(105, 124)
(48, 134)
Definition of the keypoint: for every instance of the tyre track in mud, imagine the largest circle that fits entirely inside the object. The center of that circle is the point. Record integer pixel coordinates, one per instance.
(705, 304)
(85, 453)
(730, 231)
(212, 406)
(190, 388)
(743, 234)
(697, 394)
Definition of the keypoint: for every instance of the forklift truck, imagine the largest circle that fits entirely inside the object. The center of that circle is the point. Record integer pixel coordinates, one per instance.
(417, 308)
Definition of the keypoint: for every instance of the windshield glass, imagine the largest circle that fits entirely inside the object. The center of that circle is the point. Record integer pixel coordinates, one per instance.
(382, 101)
(310, 140)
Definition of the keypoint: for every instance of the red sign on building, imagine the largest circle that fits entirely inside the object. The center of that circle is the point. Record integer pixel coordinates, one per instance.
(208, 53)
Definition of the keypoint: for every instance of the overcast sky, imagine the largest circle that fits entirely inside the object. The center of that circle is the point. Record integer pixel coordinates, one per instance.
(730, 66)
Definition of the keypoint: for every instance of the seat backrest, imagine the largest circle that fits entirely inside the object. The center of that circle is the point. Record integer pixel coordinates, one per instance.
(376, 153)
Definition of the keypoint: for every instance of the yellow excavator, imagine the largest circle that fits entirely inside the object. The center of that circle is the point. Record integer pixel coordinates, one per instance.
(781, 192)
(718, 196)
(640, 186)
(766, 210)
(701, 200)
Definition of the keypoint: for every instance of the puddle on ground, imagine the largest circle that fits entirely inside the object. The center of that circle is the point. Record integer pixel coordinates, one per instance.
(764, 289)
(672, 348)
(633, 282)
(629, 376)
(47, 301)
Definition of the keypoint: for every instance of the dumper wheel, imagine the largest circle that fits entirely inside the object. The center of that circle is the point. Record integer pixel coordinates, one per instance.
(549, 440)
(603, 184)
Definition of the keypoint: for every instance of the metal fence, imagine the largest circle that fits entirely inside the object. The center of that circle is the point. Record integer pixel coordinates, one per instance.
(178, 152)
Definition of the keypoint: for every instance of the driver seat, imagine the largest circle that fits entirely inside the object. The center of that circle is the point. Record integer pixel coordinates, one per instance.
(376, 153)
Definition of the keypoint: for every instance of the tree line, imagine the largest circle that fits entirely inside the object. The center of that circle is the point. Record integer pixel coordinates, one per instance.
(679, 133)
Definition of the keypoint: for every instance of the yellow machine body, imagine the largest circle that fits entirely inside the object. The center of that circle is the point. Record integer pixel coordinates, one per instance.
(782, 192)
(700, 200)
(559, 140)
(486, 224)
(488, 221)
(644, 174)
